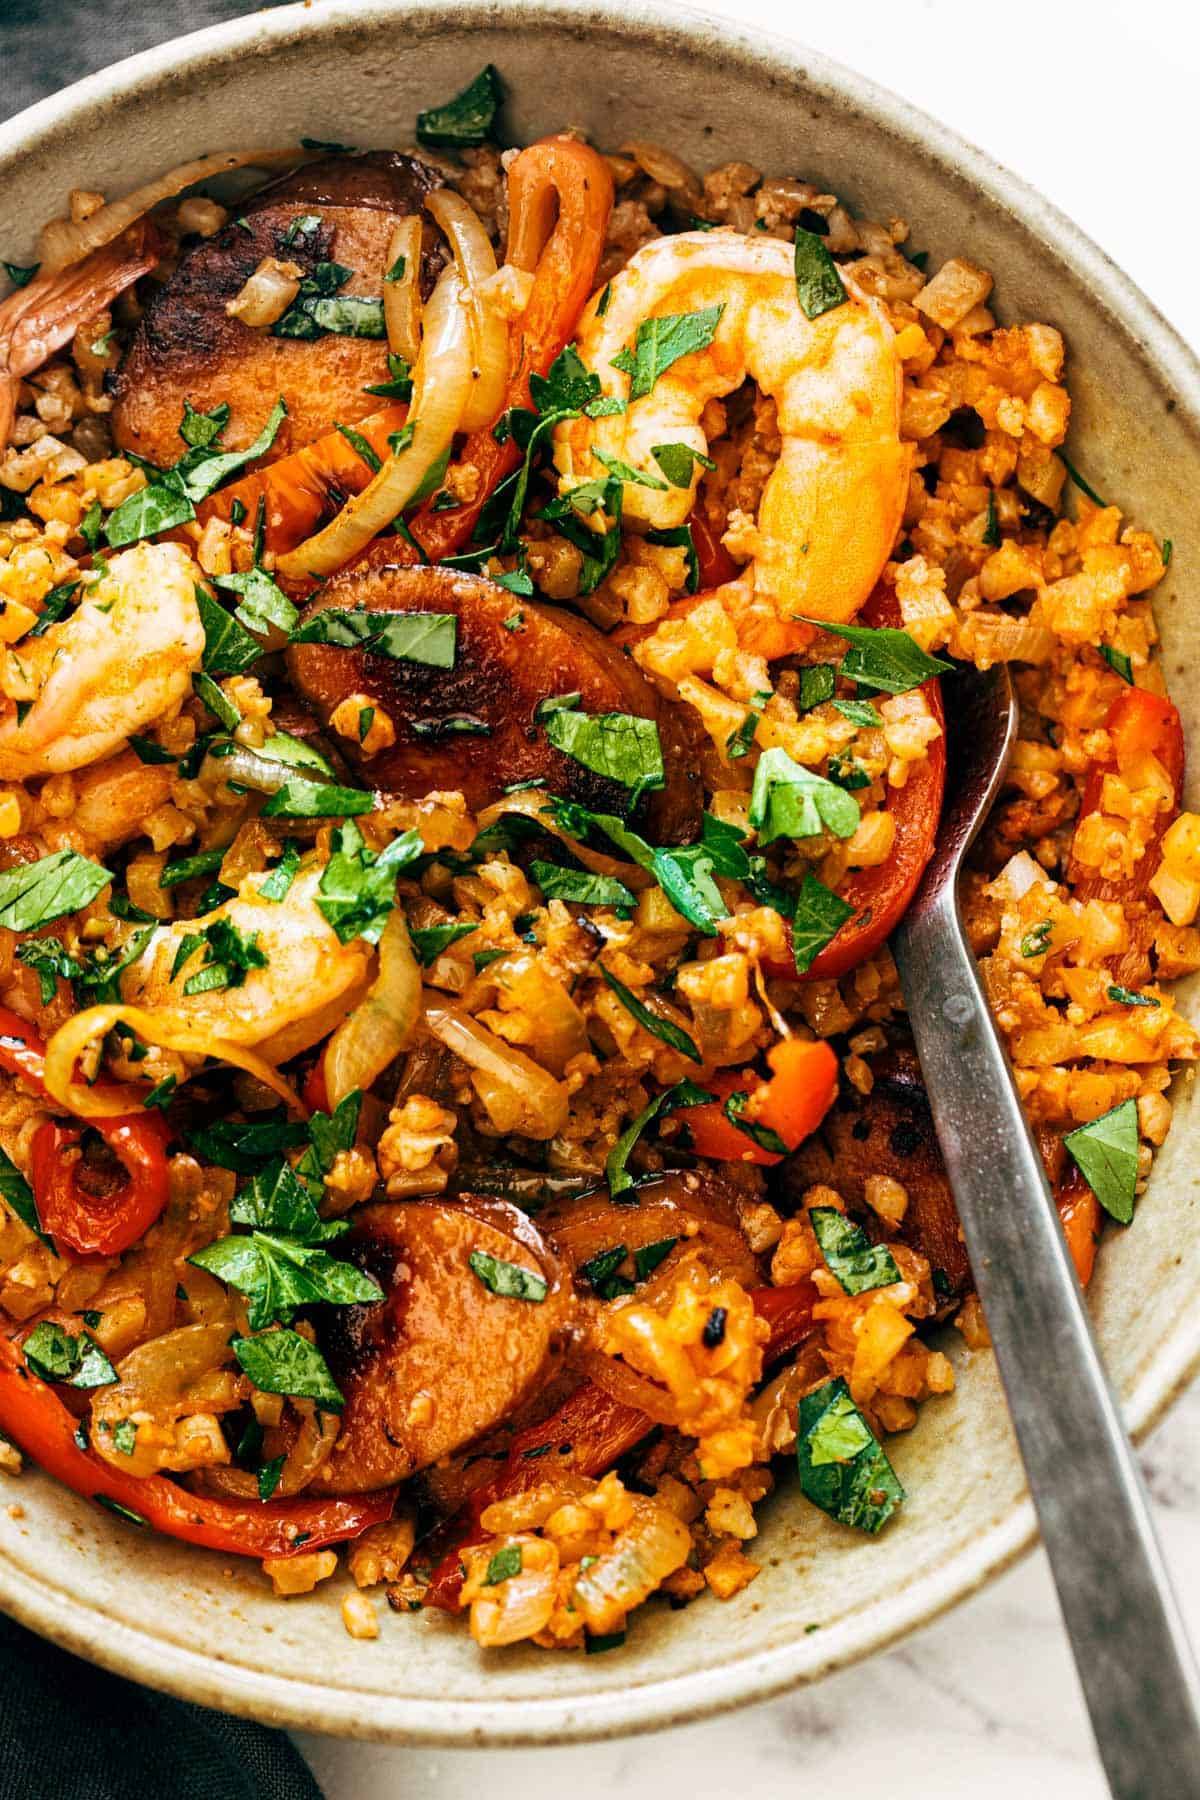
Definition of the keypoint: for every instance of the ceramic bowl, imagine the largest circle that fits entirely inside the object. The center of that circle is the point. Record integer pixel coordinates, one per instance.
(358, 72)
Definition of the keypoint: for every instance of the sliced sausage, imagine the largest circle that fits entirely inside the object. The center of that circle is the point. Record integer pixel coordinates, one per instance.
(187, 347)
(889, 1132)
(695, 1208)
(441, 1357)
(499, 676)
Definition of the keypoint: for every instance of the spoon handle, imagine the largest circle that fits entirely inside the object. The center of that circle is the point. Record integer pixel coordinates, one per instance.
(1133, 1657)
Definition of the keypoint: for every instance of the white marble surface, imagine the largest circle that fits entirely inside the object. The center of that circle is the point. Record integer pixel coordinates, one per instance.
(1093, 101)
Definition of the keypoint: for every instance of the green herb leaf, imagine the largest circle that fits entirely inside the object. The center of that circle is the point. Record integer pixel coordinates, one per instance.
(283, 1362)
(648, 1257)
(619, 746)
(55, 607)
(682, 1094)
(680, 537)
(625, 472)
(508, 1279)
(418, 637)
(503, 1565)
(430, 940)
(264, 605)
(232, 1144)
(788, 800)
(228, 647)
(301, 799)
(230, 954)
(268, 1476)
(819, 916)
(578, 887)
(278, 1274)
(819, 287)
(357, 889)
(991, 531)
(659, 343)
(55, 1355)
(468, 118)
(50, 962)
(678, 462)
(663, 1029)
(33, 894)
(91, 525)
(199, 430)
(1117, 659)
(1084, 486)
(218, 703)
(843, 1469)
(1126, 997)
(1036, 941)
(201, 471)
(1105, 1150)
(160, 506)
(857, 1264)
(762, 1135)
(399, 386)
(859, 712)
(817, 684)
(600, 1273)
(884, 658)
(21, 274)
(17, 1195)
(186, 868)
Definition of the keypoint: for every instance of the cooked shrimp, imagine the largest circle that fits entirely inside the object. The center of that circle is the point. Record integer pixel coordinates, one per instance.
(40, 318)
(831, 508)
(307, 983)
(122, 659)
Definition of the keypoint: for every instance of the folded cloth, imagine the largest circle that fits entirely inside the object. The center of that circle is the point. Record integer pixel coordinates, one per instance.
(72, 1732)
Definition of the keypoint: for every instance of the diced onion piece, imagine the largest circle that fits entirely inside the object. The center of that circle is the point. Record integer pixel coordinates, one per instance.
(79, 1033)
(267, 294)
(475, 261)
(441, 381)
(66, 241)
(402, 297)
(382, 1023)
(652, 1546)
(520, 1096)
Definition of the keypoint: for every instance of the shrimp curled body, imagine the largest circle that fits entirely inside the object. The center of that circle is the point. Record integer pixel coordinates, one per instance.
(831, 508)
(124, 657)
(307, 983)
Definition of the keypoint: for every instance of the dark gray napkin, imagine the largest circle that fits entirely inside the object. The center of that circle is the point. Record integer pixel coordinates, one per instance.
(69, 1731)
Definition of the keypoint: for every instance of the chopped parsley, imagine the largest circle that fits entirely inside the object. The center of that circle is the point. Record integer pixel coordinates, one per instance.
(468, 118)
(418, 637)
(1126, 997)
(283, 1362)
(17, 1195)
(54, 1355)
(357, 889)
(581, 888)
(660, 343)
(788, 800)
(1105, 1151)
(430, 940)
(883, 657)
(1084, 486)
(819, 287)
(857, 1264)
(616, 1172)
(664, 1029)
(678, 462)
(1119, 661)
(33, 894)
(843, 1469)
(619, 746)
(509, 1280)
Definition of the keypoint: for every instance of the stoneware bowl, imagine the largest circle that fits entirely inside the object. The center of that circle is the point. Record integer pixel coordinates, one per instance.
(357, 71)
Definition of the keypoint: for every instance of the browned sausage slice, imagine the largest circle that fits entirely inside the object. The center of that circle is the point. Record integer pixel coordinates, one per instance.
(695, 1208)
(187, 347)
(499, 676)
(890, 1132)
(441, 1358)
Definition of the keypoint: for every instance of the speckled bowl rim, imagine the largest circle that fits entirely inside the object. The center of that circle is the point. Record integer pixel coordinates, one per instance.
(195, 1675)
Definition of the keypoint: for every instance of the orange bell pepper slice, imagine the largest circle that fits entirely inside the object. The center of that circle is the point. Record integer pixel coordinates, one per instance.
(801, 1089)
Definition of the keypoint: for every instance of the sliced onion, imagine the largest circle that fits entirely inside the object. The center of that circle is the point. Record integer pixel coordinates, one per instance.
(382, 1023)
(402, 298)
(80, 1032)
(521, 1097)
(441, 381)
(652, 1546)
(475, 261)
(66, 241)
(533, 806)
(624, 1384)
(249, 768)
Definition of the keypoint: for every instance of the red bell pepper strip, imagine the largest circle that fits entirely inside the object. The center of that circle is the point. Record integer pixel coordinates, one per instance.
(589, 1433)
(880, 896)
(563, 255)
(713, 561)
(84, 1224)
(34, 1417)
(801, 1089)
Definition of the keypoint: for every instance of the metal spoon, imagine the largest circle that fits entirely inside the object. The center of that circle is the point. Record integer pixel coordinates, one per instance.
(1133, 1657)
